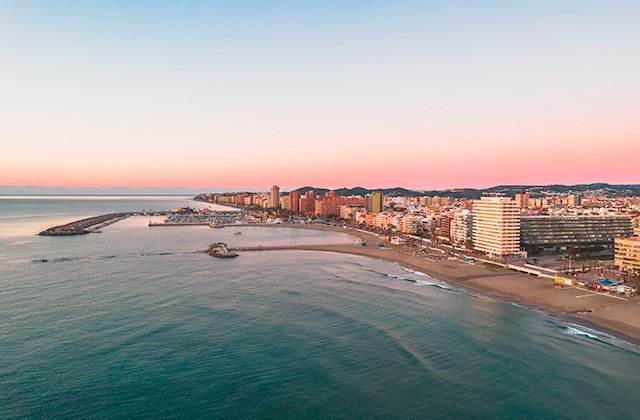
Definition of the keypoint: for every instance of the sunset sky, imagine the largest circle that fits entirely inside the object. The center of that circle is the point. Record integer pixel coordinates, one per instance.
(245, 94)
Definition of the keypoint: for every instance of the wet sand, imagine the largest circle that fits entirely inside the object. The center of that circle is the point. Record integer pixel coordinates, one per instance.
(619, 315)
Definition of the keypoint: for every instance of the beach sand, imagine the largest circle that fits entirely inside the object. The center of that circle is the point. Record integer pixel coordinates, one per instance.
(618, 315)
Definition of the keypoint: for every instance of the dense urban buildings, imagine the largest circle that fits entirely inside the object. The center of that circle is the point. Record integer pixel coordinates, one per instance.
(551, 225)
(496, 225)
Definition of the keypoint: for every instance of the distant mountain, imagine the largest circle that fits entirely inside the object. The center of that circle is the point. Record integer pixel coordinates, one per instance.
(597, 188)
(391, 192)
(471, 193)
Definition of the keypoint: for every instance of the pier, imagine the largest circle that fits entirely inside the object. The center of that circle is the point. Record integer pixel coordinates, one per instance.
(85, 226)
(268, 247)
(213, 219)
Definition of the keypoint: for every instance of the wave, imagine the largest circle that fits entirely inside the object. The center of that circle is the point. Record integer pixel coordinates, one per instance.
(416, 282)
(438, 285)
(601, 336)
(435, 283)
(577, 332)
(417, 273)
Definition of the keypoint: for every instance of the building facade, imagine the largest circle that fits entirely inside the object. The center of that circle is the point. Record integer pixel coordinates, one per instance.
(461, 230)
(496, 225)
(627, 254)
(409, 224)
(554, 234)
(274, 199)
(522, 199)
(294, 201)
(375, 202)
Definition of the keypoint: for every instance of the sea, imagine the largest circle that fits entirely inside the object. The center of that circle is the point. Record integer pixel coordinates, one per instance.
(137, 321)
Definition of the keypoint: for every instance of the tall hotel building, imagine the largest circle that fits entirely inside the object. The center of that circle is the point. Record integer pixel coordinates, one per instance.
(294, 201)
(496, 225)
(627, 254)
(274, 199)
(374, 202)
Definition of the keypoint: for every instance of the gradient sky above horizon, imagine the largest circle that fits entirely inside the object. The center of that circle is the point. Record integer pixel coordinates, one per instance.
(378, 94)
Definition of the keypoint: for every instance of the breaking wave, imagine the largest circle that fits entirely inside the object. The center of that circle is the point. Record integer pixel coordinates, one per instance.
(416, 282)
(438, 285)
(417, 273)
(575, 331)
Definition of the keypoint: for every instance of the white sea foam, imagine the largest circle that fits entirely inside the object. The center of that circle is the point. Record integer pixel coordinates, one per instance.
(426, 283)
(575, 331)
(417, 273)
(435, 283)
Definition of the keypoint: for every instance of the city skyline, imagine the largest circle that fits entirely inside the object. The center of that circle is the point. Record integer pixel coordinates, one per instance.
(418, 95)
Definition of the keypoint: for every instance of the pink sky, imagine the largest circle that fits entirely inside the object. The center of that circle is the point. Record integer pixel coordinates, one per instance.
(401, 94)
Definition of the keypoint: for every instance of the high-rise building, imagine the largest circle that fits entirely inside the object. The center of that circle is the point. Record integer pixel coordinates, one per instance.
(557, 233)
(308, 202)
(294, 201)
(496, 225)
(284, 202)
(574, 200)
(627, 254)
(410, 224)
(329, 204)
(461, 230)
(274, 199)
(375, 202)
(440, 224)
(425, 201)
(522, 199)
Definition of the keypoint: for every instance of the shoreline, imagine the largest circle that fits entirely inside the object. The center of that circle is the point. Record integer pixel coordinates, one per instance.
(593, 310)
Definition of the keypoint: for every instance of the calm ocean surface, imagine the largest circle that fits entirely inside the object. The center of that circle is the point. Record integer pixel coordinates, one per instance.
(136, 322)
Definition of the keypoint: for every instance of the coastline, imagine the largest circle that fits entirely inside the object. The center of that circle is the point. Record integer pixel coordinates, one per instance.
(577, 305)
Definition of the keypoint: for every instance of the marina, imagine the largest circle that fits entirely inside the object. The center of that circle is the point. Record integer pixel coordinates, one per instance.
(214, 219)
(210, 218)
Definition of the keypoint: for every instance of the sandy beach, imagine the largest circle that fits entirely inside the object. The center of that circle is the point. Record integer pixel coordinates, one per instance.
(617, 315)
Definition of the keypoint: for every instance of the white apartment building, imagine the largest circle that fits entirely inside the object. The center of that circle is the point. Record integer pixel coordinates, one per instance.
(461, 227)
(496, 225)
(410, 224)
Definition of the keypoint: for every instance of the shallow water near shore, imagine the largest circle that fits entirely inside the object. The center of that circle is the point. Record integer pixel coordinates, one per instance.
(137, 321)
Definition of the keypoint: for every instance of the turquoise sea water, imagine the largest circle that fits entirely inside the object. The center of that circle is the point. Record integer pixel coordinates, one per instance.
(137, 322)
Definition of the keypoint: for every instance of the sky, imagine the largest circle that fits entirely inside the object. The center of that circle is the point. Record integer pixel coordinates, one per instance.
(246, 94)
